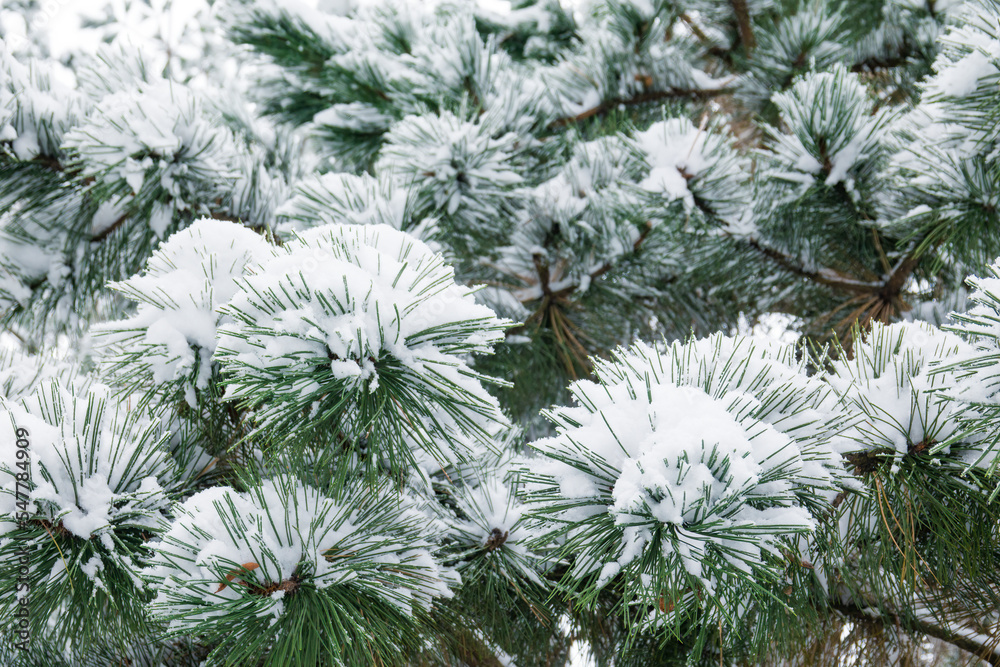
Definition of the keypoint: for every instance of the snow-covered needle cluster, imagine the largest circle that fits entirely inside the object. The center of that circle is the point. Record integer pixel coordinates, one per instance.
(101, 483)
(701, 459)
(360, 332)
(227, 557)
(424, 334)
(170, 340)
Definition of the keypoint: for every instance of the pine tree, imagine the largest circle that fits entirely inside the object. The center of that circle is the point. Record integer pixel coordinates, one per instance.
(425, 334)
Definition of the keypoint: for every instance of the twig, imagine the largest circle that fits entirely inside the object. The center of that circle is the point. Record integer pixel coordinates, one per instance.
(823, 278)
(106, 232)
(982, 651)
(642, 98)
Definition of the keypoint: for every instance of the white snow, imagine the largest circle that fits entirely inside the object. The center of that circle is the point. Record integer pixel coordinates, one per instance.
(95, 463)
(891, 383)
(970, 54)
(338, 198)
(161, 139)
(832, 125)
(354, 116)
(186, 281)
(354, 295)
(684, 438)
(377, 542)
(458, 167)
(675, 149)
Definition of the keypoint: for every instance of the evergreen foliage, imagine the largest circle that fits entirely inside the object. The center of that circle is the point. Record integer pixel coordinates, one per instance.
(432, 335)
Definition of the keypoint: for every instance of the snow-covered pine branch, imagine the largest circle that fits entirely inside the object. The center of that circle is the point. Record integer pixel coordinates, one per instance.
(683, 475)
(96, 481)
(361, 332)
(284, 568)
(284, 313)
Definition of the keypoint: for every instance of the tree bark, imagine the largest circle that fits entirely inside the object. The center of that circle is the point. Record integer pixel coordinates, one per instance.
(743, 23)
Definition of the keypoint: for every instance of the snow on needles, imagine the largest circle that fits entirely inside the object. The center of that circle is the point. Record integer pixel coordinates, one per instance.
(676, 154)
(37, 106)
(974, 378)
(160, 142)
(891, 382)
(834, 127)
(688, 163)
(172, 336)
(98, 467)
(336, 198)
(494, 519)
(343, 312)
(981, 323)
(455, 167)
(970, 53)
(230, 552)
(695, 455)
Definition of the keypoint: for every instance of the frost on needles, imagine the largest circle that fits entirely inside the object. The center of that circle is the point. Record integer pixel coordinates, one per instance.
(294, 561)
(421, 334)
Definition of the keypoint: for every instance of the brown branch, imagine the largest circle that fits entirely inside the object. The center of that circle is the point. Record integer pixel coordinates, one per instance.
(28, 345)
(572, 350)
(743, 22)
(542, 268)
(792, 266)
(56, 528)
(215, 215)
(48, 162)
(473, 653)
(880, 300)
(695, 29)
(544, 277)
(899, 276)
(642, 98)
(983, 651)
(97, 238)
(219, 215)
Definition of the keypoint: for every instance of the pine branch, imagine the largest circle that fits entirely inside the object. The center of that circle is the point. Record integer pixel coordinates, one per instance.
(898, 276)
(107, 231)
(642, 98)
(604, 268)
(544, 278)
(473, 653)
(543, 274)
(985, 649)
(28, 345)
(823, 277)
(48, 162)
(886, 291)
(695, 29)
